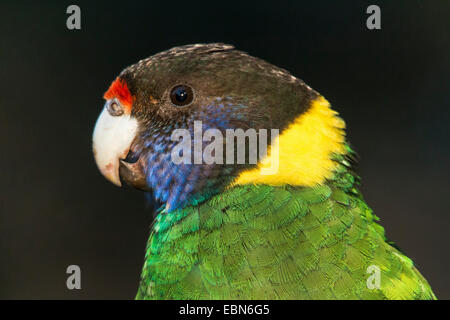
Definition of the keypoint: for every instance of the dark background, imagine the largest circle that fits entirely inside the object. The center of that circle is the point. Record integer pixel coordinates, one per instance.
(391, 87)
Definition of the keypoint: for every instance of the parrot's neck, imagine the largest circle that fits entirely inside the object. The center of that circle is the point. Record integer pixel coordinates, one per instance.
(311, 151)
(303, 153)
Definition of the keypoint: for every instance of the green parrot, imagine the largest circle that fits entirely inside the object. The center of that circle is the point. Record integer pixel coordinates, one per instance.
(290, 225)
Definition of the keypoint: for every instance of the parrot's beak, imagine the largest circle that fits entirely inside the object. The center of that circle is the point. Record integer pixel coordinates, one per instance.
(133, 174)
(112, 139)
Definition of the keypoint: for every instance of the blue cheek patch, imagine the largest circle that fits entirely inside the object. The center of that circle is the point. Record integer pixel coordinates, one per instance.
(188, 184)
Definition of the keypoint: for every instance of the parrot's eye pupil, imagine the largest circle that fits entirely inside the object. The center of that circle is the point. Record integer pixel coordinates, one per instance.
(114, 108)
(181, 95)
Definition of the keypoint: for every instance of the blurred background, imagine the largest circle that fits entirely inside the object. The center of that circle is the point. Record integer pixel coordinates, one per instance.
(390, 85)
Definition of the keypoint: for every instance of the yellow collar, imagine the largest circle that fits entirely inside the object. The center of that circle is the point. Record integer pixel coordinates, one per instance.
(301, 154)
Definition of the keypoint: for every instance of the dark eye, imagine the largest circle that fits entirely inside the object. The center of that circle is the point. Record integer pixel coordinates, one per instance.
(181, 95)
(114, 108)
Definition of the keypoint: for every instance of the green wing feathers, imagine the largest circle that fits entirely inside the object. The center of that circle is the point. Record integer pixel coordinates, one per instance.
(266, 242)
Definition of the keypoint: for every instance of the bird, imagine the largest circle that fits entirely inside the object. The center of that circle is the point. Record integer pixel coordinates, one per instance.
(293, 225)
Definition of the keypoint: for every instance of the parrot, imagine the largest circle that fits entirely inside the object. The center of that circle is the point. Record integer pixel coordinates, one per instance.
(291, 226)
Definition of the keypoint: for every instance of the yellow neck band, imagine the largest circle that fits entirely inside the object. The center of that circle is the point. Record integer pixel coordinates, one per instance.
(301, 154)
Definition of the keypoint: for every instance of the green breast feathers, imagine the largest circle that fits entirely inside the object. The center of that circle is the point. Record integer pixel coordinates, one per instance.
(267, 242)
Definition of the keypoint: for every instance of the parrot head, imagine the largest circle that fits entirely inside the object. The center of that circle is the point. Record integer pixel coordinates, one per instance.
(213, 83)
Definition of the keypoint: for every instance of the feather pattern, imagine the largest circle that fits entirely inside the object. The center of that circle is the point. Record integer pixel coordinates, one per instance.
(277, 242)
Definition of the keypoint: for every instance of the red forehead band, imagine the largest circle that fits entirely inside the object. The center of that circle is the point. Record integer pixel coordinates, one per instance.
(119, 90)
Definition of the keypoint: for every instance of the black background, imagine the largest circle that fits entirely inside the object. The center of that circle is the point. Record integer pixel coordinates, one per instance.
(390, 85)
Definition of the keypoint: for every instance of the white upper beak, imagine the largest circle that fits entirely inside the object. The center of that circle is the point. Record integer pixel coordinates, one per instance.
(112, 140)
